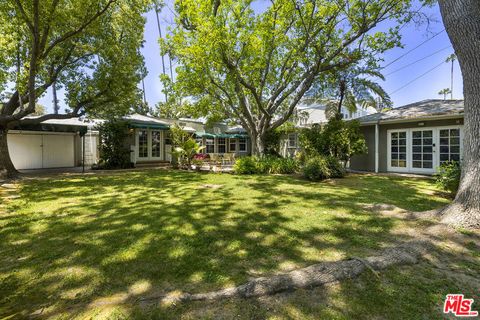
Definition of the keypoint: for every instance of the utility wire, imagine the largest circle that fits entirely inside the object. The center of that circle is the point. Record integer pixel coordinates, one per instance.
(421, 59)
(413, 49)
(423, 74)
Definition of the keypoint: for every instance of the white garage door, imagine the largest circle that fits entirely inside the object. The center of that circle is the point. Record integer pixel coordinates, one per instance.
(35, 151)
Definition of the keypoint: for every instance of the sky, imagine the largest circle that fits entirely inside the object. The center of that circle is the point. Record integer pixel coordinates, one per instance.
(433, 72)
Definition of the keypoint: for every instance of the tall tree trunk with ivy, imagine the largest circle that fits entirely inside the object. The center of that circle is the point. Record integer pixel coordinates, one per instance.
(462, 22)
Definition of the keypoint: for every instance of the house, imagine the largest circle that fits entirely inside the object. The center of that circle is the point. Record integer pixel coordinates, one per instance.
(415, 138)
(309, 114)
(74, 142)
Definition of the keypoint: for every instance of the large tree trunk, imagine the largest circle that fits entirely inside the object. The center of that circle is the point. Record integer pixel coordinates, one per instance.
(258, 144)
(462, 21)
(7, 170)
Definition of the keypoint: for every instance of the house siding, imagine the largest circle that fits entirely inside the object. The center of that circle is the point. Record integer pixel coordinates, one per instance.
(366, 162)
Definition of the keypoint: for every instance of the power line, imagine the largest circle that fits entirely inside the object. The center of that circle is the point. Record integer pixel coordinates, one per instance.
(421, 59)
(423, 74)
(413, 49)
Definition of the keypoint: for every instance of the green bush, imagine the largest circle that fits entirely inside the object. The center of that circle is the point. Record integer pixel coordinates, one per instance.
(316, 169)
(336, 168)
(114, 148)
(448, 176)
(245, 165)
(320, 167)
(266, 165)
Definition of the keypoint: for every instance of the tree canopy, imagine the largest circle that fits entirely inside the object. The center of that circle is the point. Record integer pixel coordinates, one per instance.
(88, 49)
(253, 65)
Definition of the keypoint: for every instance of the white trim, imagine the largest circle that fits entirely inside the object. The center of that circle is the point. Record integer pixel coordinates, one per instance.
(389, 149)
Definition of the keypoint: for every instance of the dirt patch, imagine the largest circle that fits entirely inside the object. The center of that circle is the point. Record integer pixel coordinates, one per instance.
(211, 186)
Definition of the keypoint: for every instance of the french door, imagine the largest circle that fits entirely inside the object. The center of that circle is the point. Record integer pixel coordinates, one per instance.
(422, 150)
(149, 144)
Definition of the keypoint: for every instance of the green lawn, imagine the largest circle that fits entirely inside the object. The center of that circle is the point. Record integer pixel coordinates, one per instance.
(93, 245)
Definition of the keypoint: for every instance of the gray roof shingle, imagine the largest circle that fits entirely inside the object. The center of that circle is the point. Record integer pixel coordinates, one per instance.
(423, 109)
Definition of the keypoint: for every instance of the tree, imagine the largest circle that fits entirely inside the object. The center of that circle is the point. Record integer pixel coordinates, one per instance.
(351, 88)
(444, 93)
(254, 66)
(86, 48)
(451, 58)
(39, 110)
(461, 20)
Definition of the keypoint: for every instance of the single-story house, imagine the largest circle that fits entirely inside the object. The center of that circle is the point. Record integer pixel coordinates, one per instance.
(74, 142)
(415, 138)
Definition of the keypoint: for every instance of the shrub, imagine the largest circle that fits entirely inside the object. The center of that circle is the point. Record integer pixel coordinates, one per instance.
(284, 166)
(265, 165)
(321, 167)
(448, 176)
(245, 165)
(114, 149)
(337, 170)
(316, 169)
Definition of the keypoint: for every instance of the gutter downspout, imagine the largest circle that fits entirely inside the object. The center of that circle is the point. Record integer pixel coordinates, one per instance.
(377, 143)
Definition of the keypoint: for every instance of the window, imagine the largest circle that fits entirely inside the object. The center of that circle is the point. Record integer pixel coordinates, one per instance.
(422, 149)
(232, 146)
(210, 147)
(221, 145)
(199, 141)
(156, 144)
(292, 140)
(143, 144)
(242, 144)
(398, 149)
(449, 145)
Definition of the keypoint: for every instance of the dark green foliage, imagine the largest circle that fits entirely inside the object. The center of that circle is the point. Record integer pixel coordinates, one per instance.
(114, 150)
(448, 176)
(322, 167)
(266, 165)
(338, 138)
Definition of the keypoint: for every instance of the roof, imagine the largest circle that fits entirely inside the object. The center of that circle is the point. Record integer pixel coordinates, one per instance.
(426, 109)
(141, 121)
(236, 129)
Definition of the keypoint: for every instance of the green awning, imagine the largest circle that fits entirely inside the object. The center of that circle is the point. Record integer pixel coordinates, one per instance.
(149, 126)
(220, 135)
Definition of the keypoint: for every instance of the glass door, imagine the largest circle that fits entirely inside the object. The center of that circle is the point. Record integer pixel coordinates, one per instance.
(423, 150)
(156, 144)
(143, 144)
(398, 151)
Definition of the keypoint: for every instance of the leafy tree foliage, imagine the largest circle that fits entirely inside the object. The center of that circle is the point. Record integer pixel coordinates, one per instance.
(114, 149)
(338, 138)
(254, 66)
(352, 88)
(87, 48)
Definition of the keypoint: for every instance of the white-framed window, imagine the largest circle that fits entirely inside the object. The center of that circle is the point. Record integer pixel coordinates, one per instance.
(242, 144)
(232, 145)
(292, 140)
(143, 144)
(398, 149)
(221, 145)
(449, 144)
(156, 144)
(209, 145)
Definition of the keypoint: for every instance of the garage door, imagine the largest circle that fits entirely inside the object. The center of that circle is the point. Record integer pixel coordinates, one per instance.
(35, 151)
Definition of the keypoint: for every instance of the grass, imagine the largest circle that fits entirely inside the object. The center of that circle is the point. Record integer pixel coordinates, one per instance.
(91, 246)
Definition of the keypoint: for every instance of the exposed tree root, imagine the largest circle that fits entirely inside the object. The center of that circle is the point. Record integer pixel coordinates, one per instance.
(312, 276)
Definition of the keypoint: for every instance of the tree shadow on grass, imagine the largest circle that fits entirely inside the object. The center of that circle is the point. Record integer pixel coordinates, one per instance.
(77, 243)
